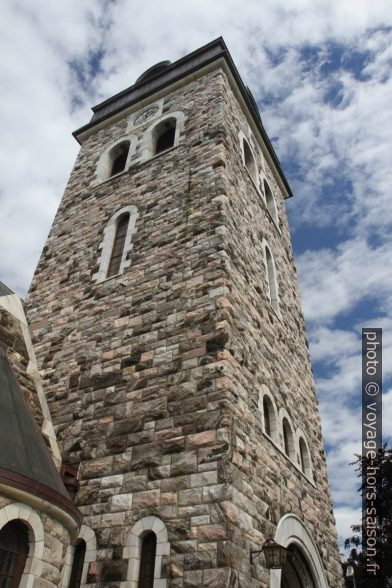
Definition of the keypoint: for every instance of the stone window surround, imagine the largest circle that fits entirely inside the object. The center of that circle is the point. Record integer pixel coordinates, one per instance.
(133, 548)
(34, 562)
(276, 440)
(274, 425)
(104, 162)
(309, 469)
(106, 244)
(292, 449)
(146, 142)
(148, 139)
(88, 535)
(276, 310)
(292, 531)
(241, 138)
(274, 216)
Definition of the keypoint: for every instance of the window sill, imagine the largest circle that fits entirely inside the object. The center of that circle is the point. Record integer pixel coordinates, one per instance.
(274, 221)
(122, 173)
(161, 153)
(131, 165)
(276, 313)
(110, 278)
(253, 182)
(282, 452)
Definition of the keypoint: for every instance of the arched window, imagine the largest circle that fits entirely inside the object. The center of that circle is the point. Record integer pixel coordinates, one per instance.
(272, 283)
(288, 439)
(269, 418)
(118, 158)
(304, 457)
(270, 202)
(147, 560)
(267, 415)
(249, 161)
(14, 549)
(118, 245)
(77, 564)
(146, 544)
(164, 135)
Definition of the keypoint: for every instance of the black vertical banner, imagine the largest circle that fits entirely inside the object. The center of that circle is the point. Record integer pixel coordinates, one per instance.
(372, 456)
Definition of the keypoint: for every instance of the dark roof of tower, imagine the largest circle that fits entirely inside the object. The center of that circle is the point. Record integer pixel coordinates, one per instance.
(153, 80)
(152, 71)
(4, 290)
(22, 448)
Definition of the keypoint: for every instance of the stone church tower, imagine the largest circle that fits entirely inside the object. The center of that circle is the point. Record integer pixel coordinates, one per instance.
(167, 323)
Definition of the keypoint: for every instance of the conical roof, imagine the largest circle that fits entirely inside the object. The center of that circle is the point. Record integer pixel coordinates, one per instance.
(22, 448)
(4, 290)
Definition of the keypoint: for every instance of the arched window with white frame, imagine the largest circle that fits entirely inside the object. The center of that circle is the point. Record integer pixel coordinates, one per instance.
(118, 158)
(270, 202)
(117, 243)
(249, 160)
(20, 528)
(269, 416)
(79, 556)
(304, 456)
(14, 549)
(77, 564)
(272, 283)
(115, 159)
(288, 439)
(146, 544)
(163, 134)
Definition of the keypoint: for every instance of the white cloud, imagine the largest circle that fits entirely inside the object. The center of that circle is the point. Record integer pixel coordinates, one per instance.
(354, 271)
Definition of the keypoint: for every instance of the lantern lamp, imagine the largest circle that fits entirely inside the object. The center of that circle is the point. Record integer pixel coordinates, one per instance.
(275, 555)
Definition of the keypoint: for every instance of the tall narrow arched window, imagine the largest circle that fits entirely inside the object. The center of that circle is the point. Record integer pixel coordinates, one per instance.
(14, 549)
(77, 564)
(147, 560)
(118, 245)
(304, 457)
(269, 418)
(270, 202)
(249, 161)
(272, 282)
(288, 440)
(118, 157)
(164, 135)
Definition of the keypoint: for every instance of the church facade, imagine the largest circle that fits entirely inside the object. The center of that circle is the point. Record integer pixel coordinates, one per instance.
(166, 319)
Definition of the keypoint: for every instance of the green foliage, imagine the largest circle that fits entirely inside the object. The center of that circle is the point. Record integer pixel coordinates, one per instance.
(384, 521)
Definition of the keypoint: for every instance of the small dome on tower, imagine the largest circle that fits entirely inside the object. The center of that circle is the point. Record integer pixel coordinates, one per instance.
(152, 71)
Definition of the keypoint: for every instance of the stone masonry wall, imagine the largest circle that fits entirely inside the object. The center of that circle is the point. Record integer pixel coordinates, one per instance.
(267, 352)
(153, 377)
(133, 378)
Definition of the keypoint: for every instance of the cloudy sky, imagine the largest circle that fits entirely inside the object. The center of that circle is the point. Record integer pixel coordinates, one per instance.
(321, 73)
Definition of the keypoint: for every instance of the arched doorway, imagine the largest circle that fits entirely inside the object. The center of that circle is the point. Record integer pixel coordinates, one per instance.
(304, 568)
(296, 572)
(14, 549)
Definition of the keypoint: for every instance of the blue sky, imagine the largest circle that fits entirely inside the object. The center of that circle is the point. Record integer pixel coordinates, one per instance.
(321, 74)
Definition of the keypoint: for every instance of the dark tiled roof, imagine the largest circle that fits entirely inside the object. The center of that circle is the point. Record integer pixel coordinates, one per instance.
(22, 447)
(4, 290)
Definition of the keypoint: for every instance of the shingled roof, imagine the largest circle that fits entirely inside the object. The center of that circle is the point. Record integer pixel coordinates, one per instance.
(22, 448)
(4, 290)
